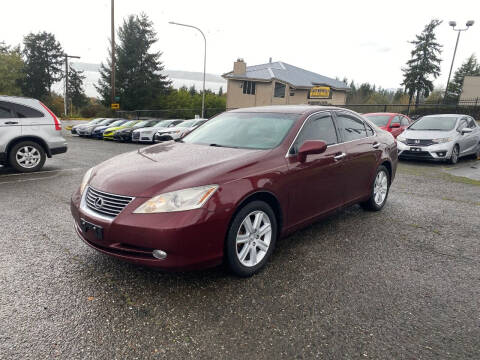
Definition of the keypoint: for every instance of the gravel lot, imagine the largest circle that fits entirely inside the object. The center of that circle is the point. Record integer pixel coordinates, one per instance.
(402, 283)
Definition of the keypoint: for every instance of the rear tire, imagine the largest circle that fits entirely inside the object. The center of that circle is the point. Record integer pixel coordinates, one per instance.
(251, 238)
(27, 156)
(379, 192)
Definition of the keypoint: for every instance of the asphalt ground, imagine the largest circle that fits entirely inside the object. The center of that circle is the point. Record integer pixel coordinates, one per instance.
(403, 283)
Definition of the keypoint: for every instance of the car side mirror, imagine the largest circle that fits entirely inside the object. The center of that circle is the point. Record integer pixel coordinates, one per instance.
(395, 125)
(311, 147)
(466, 130)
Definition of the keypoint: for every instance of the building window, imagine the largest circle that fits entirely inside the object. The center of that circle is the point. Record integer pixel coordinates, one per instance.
(279, 90)
(249, 87)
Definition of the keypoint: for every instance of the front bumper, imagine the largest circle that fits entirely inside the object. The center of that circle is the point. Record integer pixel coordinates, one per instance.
(122, 136)
(97, 135)
(439, 152)
(192, 239)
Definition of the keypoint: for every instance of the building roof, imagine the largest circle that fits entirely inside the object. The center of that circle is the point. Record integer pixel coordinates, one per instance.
(295, 76)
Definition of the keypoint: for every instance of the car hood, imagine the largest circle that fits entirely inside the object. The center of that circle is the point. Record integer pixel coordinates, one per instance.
(114, 128)
(427, 134)
(171, 166)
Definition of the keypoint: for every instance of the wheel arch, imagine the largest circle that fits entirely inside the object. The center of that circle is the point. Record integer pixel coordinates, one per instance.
(36, 139)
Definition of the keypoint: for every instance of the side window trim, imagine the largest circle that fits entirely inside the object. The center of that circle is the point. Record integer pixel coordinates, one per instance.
(365, 124)
(10, 106)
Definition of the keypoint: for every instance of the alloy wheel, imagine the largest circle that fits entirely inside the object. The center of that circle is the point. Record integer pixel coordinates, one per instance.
(253, 238)
(454, 155)
(380, 188)
(28, 157)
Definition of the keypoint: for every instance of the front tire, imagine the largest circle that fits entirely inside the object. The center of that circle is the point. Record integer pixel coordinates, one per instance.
(455, 155)
(380, 189)
(251, 238)
(27, 156)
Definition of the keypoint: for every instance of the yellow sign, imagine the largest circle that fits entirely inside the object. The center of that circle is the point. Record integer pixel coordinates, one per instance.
(115, 106)
(320, 92)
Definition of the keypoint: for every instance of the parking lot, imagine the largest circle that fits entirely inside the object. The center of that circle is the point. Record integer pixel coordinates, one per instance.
(401, 283)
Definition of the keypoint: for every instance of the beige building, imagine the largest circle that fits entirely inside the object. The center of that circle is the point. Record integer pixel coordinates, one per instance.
(278, 83)
(471, 88)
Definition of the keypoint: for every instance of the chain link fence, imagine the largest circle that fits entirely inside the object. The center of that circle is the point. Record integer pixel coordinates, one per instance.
(168, 114)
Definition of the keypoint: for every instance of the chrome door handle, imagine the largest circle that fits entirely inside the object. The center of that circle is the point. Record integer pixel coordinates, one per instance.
(339, 156)
(376, 145)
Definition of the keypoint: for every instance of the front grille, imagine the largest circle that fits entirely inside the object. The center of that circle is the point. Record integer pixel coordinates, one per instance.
(105, 203)
(135, 136)
(420, 142)
(416, 155)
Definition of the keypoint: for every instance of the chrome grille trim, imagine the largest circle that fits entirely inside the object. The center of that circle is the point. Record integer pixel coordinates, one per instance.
(112, 204)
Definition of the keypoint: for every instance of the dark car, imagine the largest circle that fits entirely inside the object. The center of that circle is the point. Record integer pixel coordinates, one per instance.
(97, 132)
(90, 123)
(126, 134)
(229, 189)
(87, 130)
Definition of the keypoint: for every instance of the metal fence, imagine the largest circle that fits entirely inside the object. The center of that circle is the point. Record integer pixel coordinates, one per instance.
(168, 113)
(470, 107)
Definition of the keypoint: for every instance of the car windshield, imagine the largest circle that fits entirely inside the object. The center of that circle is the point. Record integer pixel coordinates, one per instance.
(441, 123)
(244, 130)
(379, 120)
(95, 121)
(117, 123)
(164, 123)
(105, 122)
(141, 124)
(130, 123)
(186, 124)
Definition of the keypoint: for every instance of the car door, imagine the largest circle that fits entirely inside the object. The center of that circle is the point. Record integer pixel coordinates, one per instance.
(395, 131)
(317, 185)
(362, 153)
(467, 140)
(10, 126)
(471, 139)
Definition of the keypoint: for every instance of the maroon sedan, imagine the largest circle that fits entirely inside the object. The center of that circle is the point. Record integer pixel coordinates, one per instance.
(228, 190)
(391, 122)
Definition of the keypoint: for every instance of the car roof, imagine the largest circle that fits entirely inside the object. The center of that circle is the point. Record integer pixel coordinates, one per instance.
(384, 113)
(446, 115)
(286, 109)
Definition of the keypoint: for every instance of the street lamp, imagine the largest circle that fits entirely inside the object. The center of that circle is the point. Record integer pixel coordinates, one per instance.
(204, 60)
(453, 24)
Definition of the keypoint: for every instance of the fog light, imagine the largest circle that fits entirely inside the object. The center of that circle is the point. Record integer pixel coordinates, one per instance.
(441, 153)
(159, 254)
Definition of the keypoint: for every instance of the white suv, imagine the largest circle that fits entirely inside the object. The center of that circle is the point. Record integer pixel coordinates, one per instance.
(29, 132)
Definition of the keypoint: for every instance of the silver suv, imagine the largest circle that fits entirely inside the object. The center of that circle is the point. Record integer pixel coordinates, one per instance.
(29, 132)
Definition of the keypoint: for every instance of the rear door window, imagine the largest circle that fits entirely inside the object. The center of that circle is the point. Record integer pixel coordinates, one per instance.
(352, 128)
(27, 112)
(404, 121)
(6, 110)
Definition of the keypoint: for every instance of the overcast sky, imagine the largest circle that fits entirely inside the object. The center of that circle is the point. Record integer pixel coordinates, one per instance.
(362, 40)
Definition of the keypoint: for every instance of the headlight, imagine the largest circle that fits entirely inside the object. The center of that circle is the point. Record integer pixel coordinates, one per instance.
(401, 139)
(180, 200)
(85, 180)
(442, 140)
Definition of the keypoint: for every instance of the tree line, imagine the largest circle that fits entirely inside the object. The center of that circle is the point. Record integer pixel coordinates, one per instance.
(32, 68)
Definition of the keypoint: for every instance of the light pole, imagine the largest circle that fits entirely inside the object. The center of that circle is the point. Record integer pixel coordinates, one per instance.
(65, 99)
(453, 24)
(204, 60)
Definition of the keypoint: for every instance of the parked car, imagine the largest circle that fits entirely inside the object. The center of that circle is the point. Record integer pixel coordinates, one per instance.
(146, 135)
(445, 137)
(97, 133)
(229, 189)
(126, 134)
(178, 131)
(29, 133)
(91, 122)
(87, 130)
(110, 132)
(391, 122)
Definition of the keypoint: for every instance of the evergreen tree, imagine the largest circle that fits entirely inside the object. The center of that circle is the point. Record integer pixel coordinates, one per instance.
(192, 90)
(43, 64)
(220, 91)
(11, 71)
(76, 93)
(424, 63)
(470, 67)
(138, 75)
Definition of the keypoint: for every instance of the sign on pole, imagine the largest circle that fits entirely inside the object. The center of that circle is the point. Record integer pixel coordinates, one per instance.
(115, 106)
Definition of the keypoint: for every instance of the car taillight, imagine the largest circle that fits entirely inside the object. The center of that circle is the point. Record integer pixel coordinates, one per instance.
(58, 125)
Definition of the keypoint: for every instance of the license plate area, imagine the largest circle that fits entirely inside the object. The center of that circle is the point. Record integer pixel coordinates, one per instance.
(415, 149)
(86, 226)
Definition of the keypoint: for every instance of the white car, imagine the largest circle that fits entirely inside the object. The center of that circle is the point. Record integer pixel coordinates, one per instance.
(179, 131)
(440, 138)
(146, 134)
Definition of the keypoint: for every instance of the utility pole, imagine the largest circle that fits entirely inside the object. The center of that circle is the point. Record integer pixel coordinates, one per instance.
(113, 51)
(204, 60)
(453, 24)
(65, 99)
